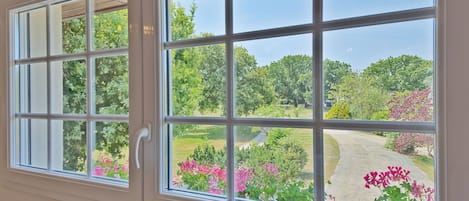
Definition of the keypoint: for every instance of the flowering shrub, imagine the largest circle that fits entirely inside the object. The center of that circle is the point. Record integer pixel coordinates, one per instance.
(412, 106)
(394, 185)
(106, 166)
(260, 185)
(209, 178)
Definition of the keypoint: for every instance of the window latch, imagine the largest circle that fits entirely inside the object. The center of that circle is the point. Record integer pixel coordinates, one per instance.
(145, 134)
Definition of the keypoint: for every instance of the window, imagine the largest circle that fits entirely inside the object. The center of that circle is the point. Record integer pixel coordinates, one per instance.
(71, 90)
(271, 100)
(69, 100)
(247, 100)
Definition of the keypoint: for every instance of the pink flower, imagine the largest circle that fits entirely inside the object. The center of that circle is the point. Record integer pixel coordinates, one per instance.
(371, 179)
(243, 176)
(203, 169)
(271, 168)
(188, 166)
(417, 190)
(213, 182)
(397, 173)
(116, 167)
(98, 171)
(219, 172)
(106, 161)
(125, 168)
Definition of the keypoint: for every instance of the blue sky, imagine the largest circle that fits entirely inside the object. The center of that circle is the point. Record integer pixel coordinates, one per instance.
(359, 46)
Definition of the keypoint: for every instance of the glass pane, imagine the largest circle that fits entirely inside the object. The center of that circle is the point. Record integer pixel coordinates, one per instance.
(367, 165)
(274, 163)
(263, 14)
(68, 24)
(196, 18)
(33, 33)
(31, 88)
(110, 24)
(112, 85)
(68, 87)
(198, 158)
(382, 72)
(274, 77)
(198, 77)
(69, 146)
(111, 151)
(336, 9)
(33, 142)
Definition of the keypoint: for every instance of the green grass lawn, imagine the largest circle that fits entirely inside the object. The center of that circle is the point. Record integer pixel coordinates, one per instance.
(426, 164)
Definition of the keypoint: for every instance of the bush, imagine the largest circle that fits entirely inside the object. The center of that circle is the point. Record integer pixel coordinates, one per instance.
(207, 155)
(340, 110)
(407, 142)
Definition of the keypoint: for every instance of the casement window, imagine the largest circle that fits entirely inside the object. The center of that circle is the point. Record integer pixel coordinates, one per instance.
(238, 100)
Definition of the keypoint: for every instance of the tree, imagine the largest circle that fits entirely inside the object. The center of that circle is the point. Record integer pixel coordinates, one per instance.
(403, 73)
(363, 98)
(334, 72)
(111, 86)
(292, 77)
(412, 106)
(213, 72)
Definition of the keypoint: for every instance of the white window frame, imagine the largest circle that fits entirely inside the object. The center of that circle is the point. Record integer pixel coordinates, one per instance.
(145, 53)
(63, 186)
(158, 189)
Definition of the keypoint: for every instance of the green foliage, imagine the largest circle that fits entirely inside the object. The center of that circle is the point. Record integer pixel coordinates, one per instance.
(364, 99)
(111, 84)
(390, 137)
(213, 73)
(182, 23)
(285, 152)
(296, 191)
(207, 155)
(403, 73)
(292, 77)
(253, 89)
(334, 72)
(275, 135)
(340, 110)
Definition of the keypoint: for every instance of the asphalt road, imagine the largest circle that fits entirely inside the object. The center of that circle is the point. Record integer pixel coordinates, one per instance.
(361, 153)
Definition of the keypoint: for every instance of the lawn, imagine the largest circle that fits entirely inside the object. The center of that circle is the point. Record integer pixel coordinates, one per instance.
(426, 164)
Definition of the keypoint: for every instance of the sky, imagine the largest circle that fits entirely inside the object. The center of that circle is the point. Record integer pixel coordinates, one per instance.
(358, 47)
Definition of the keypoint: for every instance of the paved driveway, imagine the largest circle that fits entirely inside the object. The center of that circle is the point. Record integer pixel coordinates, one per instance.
(361, 153)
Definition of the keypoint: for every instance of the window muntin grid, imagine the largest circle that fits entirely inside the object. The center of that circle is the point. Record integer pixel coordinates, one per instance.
(53, 74)
(317, 122)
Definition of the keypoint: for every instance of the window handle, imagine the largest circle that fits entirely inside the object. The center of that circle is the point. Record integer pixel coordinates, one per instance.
(145, 134)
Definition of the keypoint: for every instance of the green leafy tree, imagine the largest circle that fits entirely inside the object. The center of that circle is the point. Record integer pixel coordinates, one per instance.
(213, 72)
(111, 85)
(364, 99)
(253, 89)
(292, 78)
(182, 23)
(403, 73)
(334, 72)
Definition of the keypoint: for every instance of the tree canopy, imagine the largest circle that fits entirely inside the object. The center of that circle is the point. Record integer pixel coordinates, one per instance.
(402, 73)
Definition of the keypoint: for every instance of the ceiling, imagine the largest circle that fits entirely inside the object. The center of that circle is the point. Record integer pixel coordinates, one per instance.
(76, 8)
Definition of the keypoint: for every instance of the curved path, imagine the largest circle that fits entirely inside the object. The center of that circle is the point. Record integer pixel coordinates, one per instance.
(361, 153)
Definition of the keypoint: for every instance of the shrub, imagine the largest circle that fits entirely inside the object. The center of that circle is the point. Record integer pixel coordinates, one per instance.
(340, 110)
(407, 142)
(107, 166)
(207, 154)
